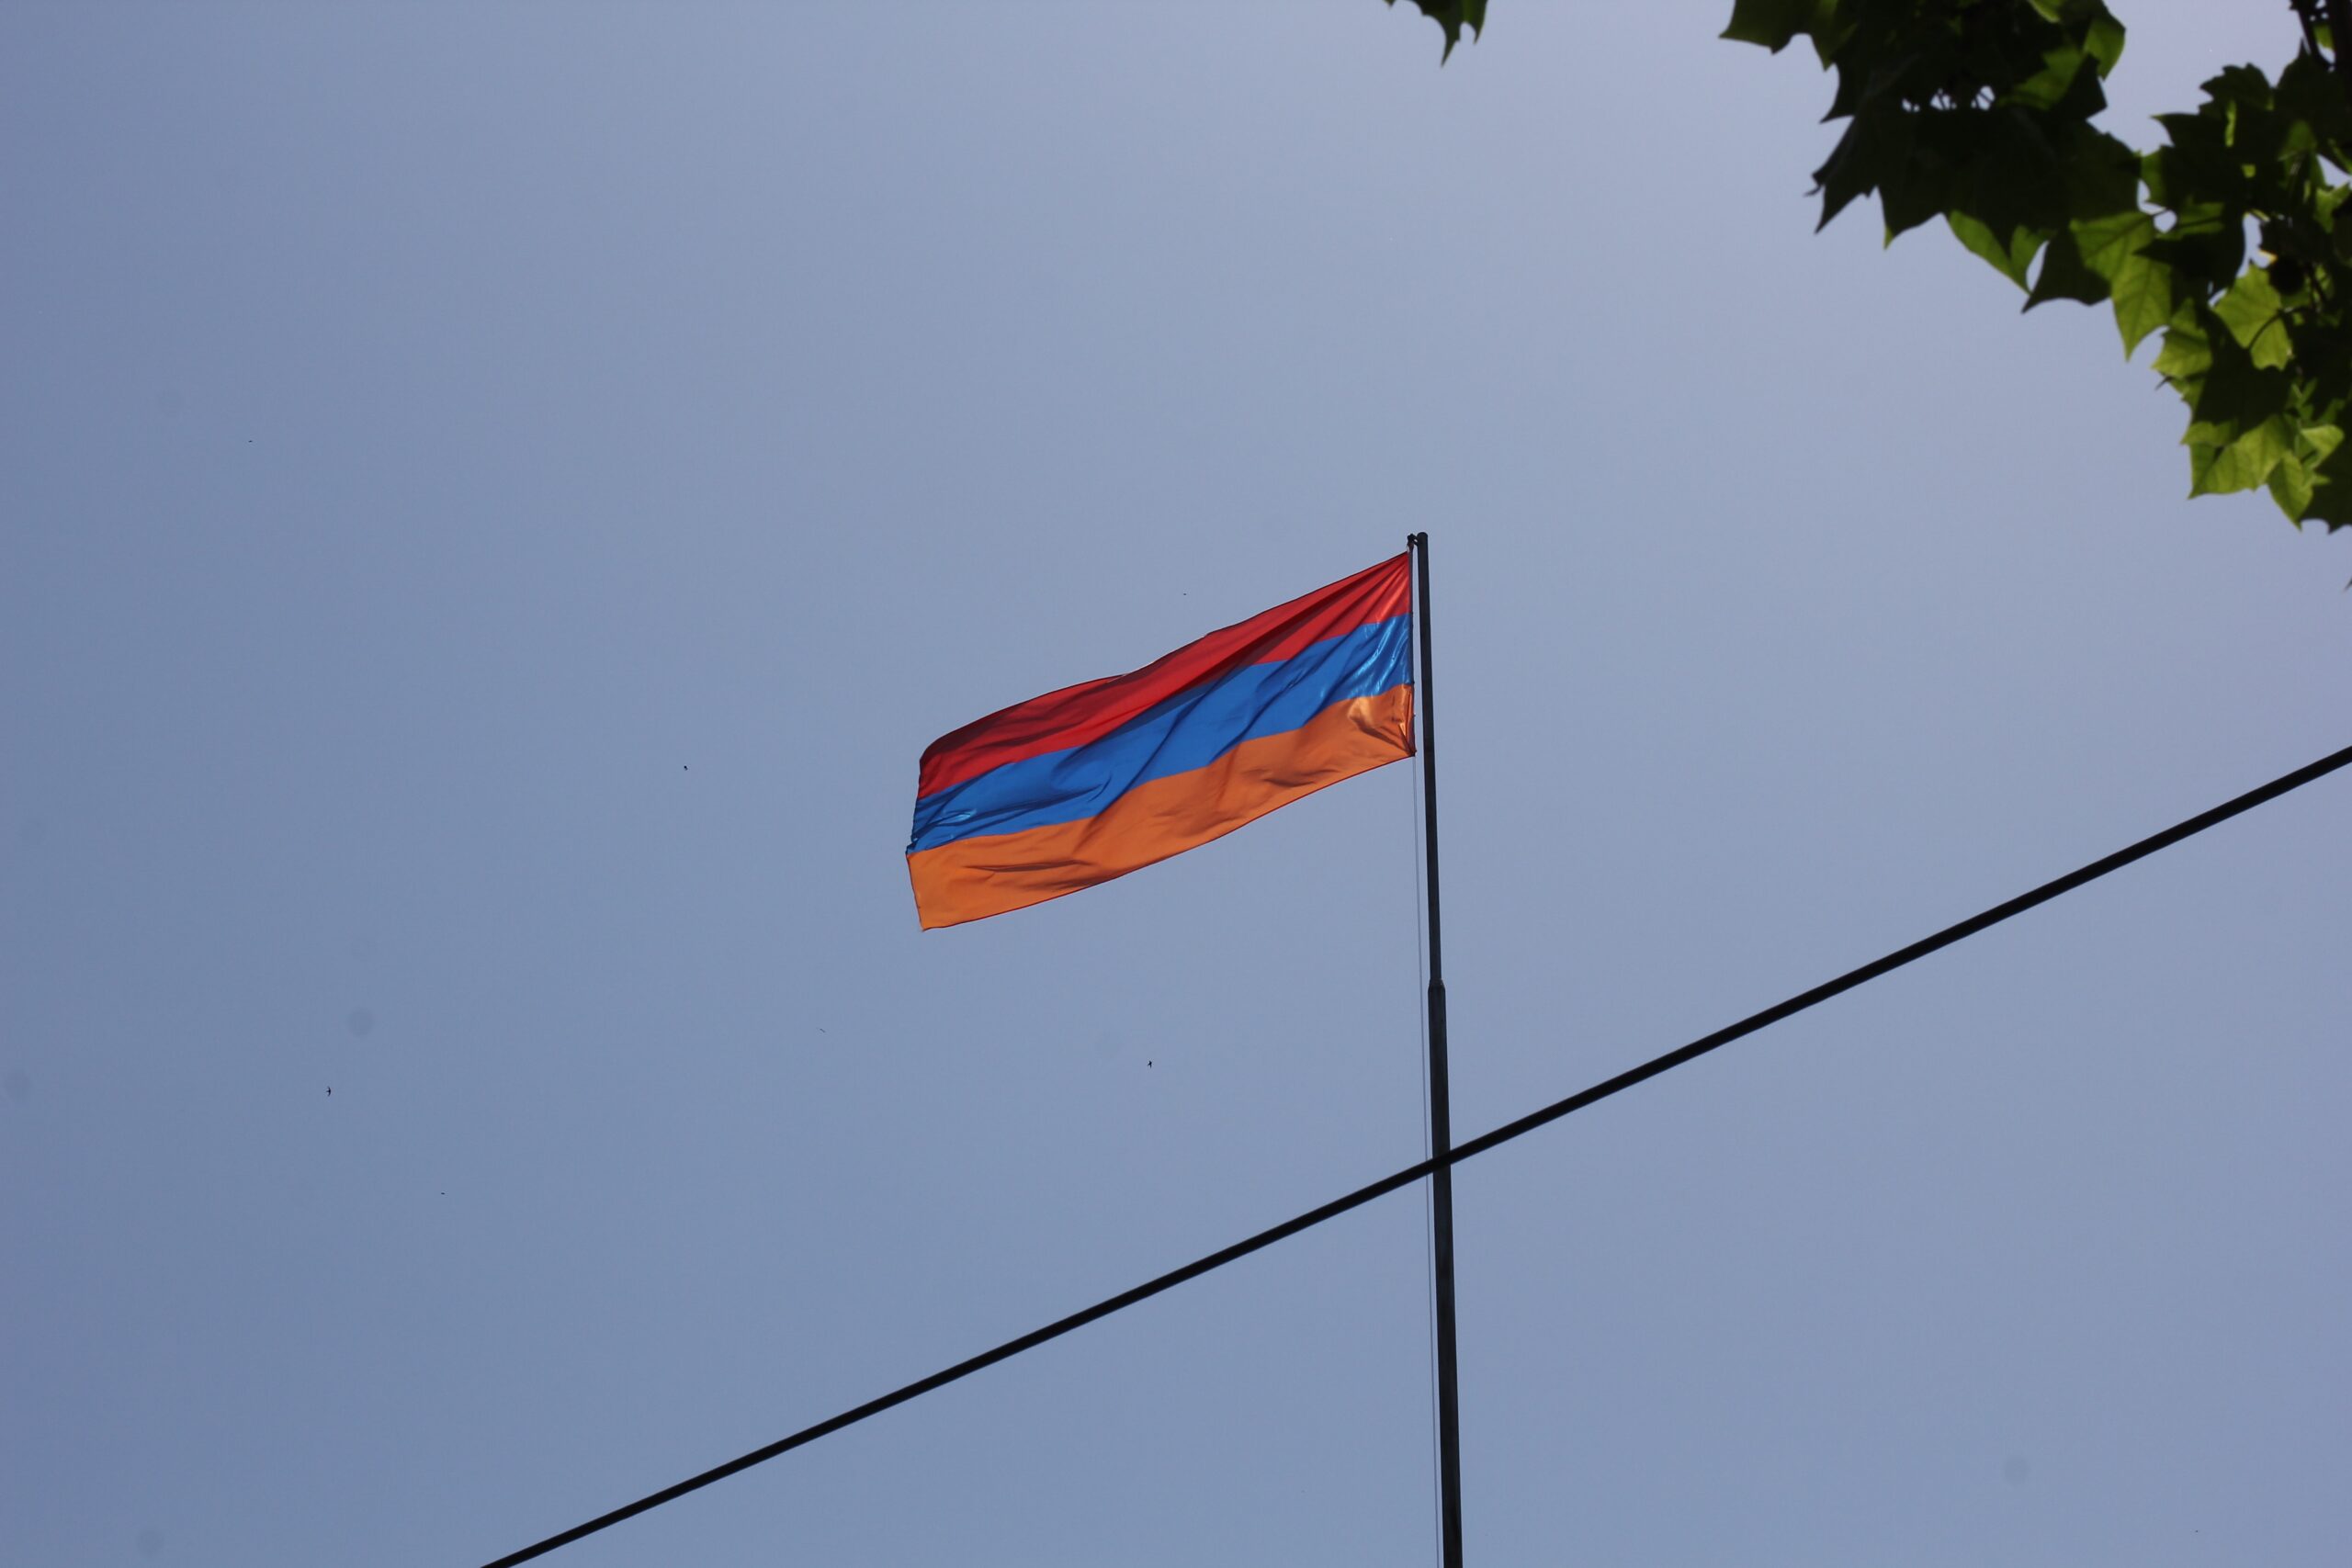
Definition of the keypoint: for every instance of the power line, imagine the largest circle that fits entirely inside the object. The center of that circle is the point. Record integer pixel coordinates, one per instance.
(1397, 1181)
(1902, 955)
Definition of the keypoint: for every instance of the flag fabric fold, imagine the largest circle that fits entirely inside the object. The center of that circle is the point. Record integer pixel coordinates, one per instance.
(1086, 784)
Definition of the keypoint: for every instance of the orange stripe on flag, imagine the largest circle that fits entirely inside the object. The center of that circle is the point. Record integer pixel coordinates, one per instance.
(970, 879)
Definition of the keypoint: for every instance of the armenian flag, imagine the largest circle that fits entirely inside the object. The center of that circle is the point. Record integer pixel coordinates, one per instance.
(1097, 780)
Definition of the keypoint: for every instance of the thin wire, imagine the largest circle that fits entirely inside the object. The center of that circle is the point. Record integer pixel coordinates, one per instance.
(1398, 1180)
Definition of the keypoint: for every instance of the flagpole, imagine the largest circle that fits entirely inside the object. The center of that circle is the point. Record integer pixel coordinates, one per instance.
(1449, 1428)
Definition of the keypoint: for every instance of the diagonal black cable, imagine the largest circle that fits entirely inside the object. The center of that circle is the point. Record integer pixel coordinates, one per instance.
(1917, 949)
(1478, 1145)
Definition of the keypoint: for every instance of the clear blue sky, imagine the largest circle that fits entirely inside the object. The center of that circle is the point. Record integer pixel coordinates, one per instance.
(494, 499)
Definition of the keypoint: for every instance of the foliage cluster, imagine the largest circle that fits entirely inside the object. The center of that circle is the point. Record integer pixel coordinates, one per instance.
(1980, 112)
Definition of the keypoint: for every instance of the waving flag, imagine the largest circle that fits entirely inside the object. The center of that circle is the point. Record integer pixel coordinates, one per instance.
(1097, 780)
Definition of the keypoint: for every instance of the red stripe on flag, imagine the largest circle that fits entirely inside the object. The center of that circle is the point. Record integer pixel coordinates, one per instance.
(1076, 714)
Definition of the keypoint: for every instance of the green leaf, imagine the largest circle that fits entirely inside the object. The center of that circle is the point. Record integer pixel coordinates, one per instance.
(2064, 275)
(2241, 464)
(1454, 16)
(2104, 41)
(2009, 258)
(2311, 94)
(2187, 354)
(2047, 88)
(2331, 492)
(2140, 285)
(2252, 311)
(2205, 245)
(2198, 166)
(1920, 192)
(2241, 85)
(1771, 23)
(2009, 190)
(2290, 487)
(2010, 174)
(2229, 405)
(2295, 484)
(2143, 295)
(2101, 175)
(2244, 105)
(1876, 146)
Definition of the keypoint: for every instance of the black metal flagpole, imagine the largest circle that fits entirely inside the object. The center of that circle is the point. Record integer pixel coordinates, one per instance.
(1449, 1426)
